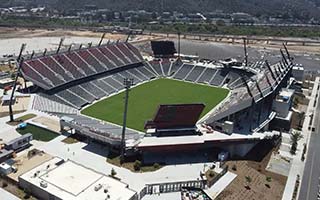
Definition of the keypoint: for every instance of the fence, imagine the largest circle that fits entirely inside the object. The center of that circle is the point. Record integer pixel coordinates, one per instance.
(173, 187)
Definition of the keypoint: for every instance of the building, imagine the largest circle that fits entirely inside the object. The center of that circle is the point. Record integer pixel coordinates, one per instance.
(282, 106)
(298, 72)
(6, 82)
(283, 102)
(58, 179)
(19, 143)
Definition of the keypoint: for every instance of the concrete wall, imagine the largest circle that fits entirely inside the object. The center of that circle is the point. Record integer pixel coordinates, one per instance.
(239, 149)
(36, 191)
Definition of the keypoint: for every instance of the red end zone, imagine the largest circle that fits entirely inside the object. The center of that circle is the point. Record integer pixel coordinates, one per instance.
(176, 116)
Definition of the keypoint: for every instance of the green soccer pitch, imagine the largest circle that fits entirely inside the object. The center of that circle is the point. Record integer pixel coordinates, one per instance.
(145, 99)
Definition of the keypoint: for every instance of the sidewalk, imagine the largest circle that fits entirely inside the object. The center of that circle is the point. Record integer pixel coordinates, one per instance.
(4, 195)
(220, 185)
(297, 166)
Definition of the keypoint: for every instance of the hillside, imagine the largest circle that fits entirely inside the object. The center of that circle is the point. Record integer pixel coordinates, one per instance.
(301, 8)
(256, 7)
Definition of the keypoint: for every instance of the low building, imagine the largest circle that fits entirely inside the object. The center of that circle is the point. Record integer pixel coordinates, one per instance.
(19, 143)
(6, 82)
(5, 154)
(58, 179)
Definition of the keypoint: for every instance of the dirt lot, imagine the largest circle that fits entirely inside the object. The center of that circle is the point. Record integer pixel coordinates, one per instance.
(6, 33)
(49, 123)
(21, 105)
(25, 163)
(264, 185)
(275, 45)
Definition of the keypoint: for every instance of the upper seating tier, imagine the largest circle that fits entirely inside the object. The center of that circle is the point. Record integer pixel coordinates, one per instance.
(59, 69)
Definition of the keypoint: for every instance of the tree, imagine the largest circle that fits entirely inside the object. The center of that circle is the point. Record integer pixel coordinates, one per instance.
(268, 179)
(220, 23)
(156, 166)
(248, 181)
(137, 165)
(295, 137)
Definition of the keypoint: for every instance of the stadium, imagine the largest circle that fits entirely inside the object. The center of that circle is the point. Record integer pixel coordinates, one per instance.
(175, 104)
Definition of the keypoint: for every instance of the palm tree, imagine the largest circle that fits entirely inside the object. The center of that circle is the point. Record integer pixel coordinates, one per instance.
(295, 137)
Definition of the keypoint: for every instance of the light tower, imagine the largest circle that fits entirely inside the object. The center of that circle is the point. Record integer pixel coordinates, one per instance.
(128, 82)
(20, 60)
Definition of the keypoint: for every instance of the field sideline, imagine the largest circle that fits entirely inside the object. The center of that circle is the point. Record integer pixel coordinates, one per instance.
(145, 99)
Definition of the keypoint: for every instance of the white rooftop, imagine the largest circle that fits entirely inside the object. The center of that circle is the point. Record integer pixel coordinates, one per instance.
(286, 93)
(196, 139)
(69, 180)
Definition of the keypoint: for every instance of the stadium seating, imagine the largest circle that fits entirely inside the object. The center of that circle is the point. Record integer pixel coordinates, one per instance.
(135, 51)
(48, 105)
(36, 77)
(72, 98)
(206, 75)
(102, 58)
(104, 86)
(138, 74)
(82, 65)
(155, 65)
(218, 78)
(99, 71)
(183, 71)
(175, 67)
(111, 56)
(69, 65)
(37, 66)
(83, 92)
(97, 129)
(128, 53)
(114, 83)
(119, 55)
(92, 61)
(59, 69)
(166, 64)
(195, 73)
(146, 72)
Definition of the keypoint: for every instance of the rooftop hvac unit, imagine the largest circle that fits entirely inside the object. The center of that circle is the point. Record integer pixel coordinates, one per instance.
(97, 187)
(43, 184)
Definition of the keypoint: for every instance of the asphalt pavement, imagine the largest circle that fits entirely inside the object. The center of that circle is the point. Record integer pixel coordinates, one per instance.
(311, 176)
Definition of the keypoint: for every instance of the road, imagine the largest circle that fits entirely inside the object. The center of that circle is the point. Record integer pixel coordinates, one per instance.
(311, 175)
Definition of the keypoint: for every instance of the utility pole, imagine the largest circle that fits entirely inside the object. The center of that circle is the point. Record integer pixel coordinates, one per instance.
(101, 39)
(128, 82)
(245, 51)
(60, 45)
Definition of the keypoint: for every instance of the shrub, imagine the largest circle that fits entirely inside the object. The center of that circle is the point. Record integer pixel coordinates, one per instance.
(156, 165)
(304, 152)
(248, 179)
(137, 165)
(211, 174)
(234, 167)
(4, 184)
(268, 179)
